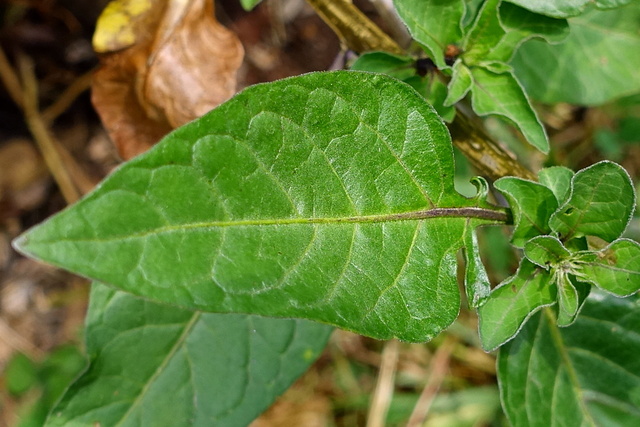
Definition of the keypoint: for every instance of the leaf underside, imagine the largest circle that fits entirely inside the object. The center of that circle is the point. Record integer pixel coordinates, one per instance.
(585, 374)
(156, 365)
(327, 196)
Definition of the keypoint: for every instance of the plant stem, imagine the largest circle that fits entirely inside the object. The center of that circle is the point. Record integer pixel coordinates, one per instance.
(353, 28)
(360, 34)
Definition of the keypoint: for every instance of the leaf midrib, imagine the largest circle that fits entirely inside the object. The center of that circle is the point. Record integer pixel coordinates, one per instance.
(491, 215)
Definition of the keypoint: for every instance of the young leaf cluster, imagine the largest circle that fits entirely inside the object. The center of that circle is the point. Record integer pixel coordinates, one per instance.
(569, 227)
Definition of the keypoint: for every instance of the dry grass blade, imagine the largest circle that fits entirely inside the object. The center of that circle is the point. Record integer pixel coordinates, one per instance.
(385, 385)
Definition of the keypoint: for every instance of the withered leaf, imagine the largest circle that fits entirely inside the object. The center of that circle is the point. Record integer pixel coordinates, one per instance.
(171, 64)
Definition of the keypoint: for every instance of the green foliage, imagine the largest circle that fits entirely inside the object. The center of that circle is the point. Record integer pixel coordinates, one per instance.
(307, 198)
(249, 4)
(222, 370)
(602, 45)
(585, 374)
(559, 268)
(330, 197)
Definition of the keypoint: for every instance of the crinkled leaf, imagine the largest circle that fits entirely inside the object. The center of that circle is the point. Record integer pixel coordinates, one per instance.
(585, 374)
(545, 251)
(433, 23)
(616, 268)
(566, 8)
(601, 203)
(327, 196)
(513, 302)
(155, 365)
(460, 84)
(558, 180)
(501, 94)
(597, 62)
(532, 205)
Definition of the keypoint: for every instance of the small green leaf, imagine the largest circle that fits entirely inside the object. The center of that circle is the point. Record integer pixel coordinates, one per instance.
(502, 95)
(546, 251)
(500, 28)
(598, 61)
(571, 300)
(400, 67)
(484, 35)
(156, 365)
(433, 23)
(460, 84)
(477, 283)
(582, 375)
(558, 180)
(531, 206)
(567, 8)
(436, 93)
(601, 204)
(513, 302)
(327, 196)
(616, 268)
(249, 4)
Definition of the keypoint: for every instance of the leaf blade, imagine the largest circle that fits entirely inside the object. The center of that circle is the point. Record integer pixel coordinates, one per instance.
(233, 365)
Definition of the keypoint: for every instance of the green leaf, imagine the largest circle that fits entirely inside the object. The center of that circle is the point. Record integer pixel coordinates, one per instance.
(601, 204)
(477, 283)
(571, 300)
(400, 67)
(501, 94)
(546, 251)
(433, 23)
(558, 180)
(616, 268)
(460, 84)
(567, 8)
(513, 302)
(501, 27)
(156, 365)
(435, 92)
(583, 375)
(597, 62)
(249, 4)
(532, 205)
(484, 35)
(327, 196)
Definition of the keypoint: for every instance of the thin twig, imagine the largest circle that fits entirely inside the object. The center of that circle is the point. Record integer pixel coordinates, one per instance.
(10, 79)
(437, 372)
(70, 94)
(41, 134)
(353, 28)
(384, 386)
(17, 342)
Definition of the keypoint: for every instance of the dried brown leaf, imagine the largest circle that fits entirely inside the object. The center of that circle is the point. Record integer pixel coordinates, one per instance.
(181, 64)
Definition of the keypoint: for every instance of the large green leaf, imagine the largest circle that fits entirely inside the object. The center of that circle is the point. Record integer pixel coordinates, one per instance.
(327, 196)
(155, 365)
(601, 203)
(582, 375)
(596, 63)
(566, 8)
(433, 23)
